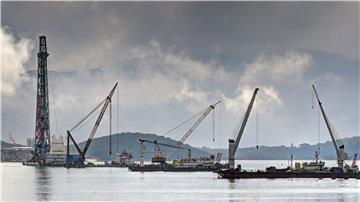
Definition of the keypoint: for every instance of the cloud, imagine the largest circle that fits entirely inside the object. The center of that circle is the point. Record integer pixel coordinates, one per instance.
(268, 99)
(265, 72)
(15, 54)
(328, 79)
(167, 75)
(153, 58)
(149, 76)
(193, 100)
(277, 68)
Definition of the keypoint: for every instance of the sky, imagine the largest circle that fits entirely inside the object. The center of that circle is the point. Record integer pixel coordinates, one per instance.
(173, 59)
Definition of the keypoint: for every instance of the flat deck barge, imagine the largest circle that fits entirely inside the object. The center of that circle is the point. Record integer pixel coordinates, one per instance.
(172, 168)
(236, 174)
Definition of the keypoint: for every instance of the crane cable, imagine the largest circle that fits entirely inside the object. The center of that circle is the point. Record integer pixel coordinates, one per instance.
(110, 120)
(117, 119)
(318, 130)
(91, 118)
(53, 103)
(317, 152)
(213, 125)
(257, 123)
(181, 124)
(87, 116)
(220, 123)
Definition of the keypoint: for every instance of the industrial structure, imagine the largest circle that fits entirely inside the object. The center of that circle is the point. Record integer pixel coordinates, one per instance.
(197, 123)
(339, 148)
(52, 152)
(44, 154)
(16, 153)
(158, 154)
(78, 159)
(185, 164)
(234, 144)
(188, 164)
(315, 169)
(42, 123)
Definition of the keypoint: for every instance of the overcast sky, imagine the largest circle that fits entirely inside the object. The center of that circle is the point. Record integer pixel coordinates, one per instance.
(173, 59)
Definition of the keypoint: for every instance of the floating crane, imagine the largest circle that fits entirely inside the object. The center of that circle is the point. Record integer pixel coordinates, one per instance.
(340, 149)
(233, 144)
(158, 158)
(78, 160)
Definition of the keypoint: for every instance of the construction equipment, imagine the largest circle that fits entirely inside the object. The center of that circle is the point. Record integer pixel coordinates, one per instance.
(158, 157)
(340, 149)
(42, 125)
(353, 164)
(78, 160)
(233, 144)
(19, 149)
(197, 123)
(186, 135)
(12, 139)
(194, 126)
(218, 157)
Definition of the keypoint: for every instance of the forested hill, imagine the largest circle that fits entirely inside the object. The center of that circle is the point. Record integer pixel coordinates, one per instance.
(100, 148)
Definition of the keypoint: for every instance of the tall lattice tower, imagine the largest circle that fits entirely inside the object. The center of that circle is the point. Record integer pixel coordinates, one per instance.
(42, 125)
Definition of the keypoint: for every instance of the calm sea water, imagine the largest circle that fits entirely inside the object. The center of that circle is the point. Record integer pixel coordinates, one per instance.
(21, 183)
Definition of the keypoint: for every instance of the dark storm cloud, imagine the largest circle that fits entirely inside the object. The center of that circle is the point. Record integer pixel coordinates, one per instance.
(179, 57)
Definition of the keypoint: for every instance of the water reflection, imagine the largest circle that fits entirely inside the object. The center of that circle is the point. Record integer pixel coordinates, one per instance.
(43, 183)
(25, 183)
(232, 186)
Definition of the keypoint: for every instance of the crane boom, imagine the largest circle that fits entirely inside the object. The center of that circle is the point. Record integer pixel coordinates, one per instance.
(163, 144)
(157, 144)
(197, 123)
(340, 153)
(75, 144)
(12, 139)
(97, 123)
(233, 144)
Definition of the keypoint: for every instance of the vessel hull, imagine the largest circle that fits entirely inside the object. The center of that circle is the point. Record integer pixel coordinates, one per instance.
(170, 168)
(227, 174)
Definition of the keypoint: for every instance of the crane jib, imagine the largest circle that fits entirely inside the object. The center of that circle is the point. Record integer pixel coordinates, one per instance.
(97, 123)
(340, 153)
(197, 123)
(247, 114)
(233, 144)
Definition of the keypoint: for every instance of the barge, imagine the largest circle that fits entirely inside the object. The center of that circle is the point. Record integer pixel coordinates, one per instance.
(173, 168)
(333, 173)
